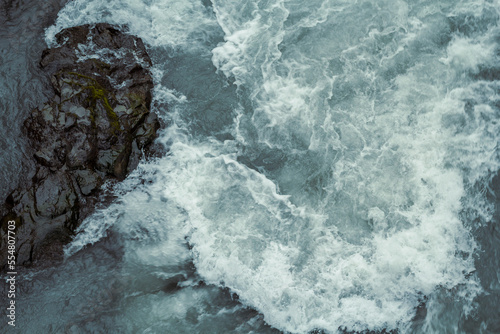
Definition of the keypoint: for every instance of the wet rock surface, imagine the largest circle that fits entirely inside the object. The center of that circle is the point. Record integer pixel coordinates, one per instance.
(96, 128)
(23, 83)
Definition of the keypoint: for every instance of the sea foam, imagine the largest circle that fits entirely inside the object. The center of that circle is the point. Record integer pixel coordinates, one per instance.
(385, 127)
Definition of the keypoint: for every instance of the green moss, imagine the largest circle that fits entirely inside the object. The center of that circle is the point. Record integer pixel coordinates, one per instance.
(136, 101)
(98, 93)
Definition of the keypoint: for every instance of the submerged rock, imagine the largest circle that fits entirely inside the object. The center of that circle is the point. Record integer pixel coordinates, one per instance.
(96, 128)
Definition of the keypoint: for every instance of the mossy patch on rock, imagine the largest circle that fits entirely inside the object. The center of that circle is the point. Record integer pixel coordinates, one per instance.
(95, 128)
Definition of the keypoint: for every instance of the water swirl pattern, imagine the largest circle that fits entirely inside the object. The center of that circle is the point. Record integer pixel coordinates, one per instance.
(331, 165)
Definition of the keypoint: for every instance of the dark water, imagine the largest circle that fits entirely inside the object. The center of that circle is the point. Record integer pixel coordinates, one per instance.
(22, 86)
(332, 166)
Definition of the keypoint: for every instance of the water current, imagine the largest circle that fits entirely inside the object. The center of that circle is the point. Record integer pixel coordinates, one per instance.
(331, 166)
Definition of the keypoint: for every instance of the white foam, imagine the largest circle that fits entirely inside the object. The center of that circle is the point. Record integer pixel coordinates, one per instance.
(467, 54)
(369, 107)
(166, 23)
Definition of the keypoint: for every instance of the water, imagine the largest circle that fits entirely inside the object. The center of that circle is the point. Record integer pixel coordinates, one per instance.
(23, 86)
(331, 165)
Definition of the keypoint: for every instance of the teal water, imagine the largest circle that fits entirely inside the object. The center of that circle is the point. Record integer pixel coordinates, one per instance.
(331, 166)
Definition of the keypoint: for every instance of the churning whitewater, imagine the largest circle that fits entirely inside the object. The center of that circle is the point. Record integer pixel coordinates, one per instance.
(328, 163)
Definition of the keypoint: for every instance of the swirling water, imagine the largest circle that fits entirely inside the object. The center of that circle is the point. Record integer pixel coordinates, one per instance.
(332, 166)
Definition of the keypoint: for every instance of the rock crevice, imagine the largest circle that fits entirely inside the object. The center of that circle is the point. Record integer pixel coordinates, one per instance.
(96, 128)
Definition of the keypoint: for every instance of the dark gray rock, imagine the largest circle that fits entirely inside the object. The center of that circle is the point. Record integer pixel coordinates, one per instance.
(95, 128)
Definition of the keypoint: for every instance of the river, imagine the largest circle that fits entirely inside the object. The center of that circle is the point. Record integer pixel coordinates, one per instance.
(332, 166)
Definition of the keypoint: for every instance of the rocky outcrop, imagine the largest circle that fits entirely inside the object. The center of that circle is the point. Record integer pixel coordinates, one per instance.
(96, 128)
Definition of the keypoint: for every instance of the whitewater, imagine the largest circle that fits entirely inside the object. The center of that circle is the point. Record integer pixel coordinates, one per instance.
(330, 166)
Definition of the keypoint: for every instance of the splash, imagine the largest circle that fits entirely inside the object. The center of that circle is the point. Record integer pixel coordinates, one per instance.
(329, 189)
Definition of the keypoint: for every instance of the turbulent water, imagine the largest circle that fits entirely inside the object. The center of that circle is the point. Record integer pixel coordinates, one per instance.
(331, 166)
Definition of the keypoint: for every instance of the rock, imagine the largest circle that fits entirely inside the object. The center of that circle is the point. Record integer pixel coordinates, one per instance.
(96, 128)
(88, 181)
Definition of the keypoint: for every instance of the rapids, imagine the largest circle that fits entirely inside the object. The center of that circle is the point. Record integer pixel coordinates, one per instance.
(331, 165)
